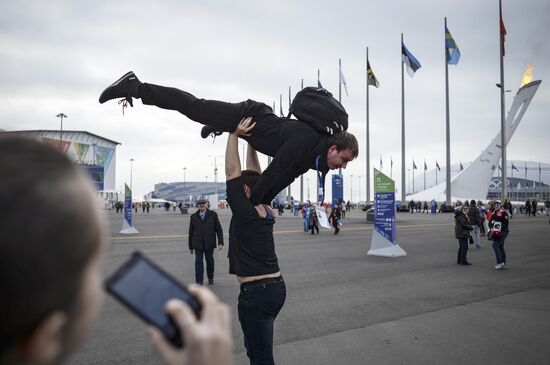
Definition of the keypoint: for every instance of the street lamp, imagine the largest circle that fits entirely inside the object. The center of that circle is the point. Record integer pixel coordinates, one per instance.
(131, 167)
(359, 188)
(184, 191)
(61, 116)
(351, 188)
(216, 172)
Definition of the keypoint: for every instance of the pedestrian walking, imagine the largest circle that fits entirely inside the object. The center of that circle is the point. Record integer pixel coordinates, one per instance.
(313, 221)
(204, 227)
(475, 220)
(334, 218)
(499, 229)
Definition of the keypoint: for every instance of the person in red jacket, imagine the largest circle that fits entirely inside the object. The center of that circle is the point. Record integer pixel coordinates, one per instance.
(499, 231)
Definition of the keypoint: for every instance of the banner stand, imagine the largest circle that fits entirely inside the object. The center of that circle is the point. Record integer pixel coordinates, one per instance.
(383, 242)
(127, 227)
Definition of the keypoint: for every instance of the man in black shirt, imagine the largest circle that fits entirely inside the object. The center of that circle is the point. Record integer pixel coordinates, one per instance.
(252, 255)
(294, 146)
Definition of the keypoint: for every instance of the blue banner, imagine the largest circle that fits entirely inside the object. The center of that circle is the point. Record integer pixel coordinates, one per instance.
(337, 189)
(128, 205)
(384, 206)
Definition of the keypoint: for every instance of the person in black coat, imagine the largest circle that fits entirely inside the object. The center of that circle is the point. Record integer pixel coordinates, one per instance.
(463, 228)
(204, 226)
(295, 146)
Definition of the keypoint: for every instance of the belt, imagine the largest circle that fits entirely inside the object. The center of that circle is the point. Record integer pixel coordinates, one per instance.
(262, 281)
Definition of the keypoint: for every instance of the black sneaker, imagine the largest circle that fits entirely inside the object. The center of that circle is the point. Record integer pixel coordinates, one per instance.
(126, 87)
(208, 130)
(210, 281)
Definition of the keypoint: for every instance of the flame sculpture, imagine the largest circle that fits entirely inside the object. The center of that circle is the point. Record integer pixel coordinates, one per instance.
(527, 76)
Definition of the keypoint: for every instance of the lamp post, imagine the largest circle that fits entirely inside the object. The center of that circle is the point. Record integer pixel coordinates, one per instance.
(61, 116)
(307, 180)
(131, 168)
(359, 188)
(351, 187)
(216, 173)
(184, 191)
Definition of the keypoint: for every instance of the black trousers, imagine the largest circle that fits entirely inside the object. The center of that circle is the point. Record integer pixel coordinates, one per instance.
(462, 250)
(259, 304)
(208, 254)
(266, 136)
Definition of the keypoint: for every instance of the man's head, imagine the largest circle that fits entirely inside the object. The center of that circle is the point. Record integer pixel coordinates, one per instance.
(53, 244)
(250, 178)
(201, 204)
(343, 148)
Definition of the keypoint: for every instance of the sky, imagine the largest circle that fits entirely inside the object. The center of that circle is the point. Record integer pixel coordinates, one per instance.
(57, 56)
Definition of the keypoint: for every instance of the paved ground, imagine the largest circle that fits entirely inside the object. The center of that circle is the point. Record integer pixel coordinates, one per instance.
(344, 307)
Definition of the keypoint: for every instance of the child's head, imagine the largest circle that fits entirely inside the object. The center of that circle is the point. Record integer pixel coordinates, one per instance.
(52, 244)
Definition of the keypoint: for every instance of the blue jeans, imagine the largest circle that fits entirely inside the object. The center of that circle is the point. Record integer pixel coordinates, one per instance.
(259, 304)
(199, 265)
(498, 247)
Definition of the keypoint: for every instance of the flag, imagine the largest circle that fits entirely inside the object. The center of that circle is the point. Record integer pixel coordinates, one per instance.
(502, 31)
(437, 165)
(425, 166)
(453, 53)
(391, 162)
(414, 166)
(343, 81)
(381, 164)
(514, 167)
(371, 78)
(281, 106)
(319, 85)
(525, 169)
(499, 169)
(412, 63)
(462, 167)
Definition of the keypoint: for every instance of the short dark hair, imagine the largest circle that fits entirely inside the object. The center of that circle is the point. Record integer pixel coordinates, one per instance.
(344, 141)
(250, 177)
(50, 230)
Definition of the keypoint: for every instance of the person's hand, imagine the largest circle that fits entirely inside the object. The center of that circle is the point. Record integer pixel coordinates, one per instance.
(191, 252)
(220, 247)
(261, 210)
(207, 340)
(244, 127)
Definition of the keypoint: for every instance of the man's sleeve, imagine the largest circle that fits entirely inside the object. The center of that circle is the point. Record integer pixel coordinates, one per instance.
(219, 231)
(190, 233)
(276, 176)
(238, 202)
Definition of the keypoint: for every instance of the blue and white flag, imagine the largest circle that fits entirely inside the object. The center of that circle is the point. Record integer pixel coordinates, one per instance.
(453, 53)
(412, 63)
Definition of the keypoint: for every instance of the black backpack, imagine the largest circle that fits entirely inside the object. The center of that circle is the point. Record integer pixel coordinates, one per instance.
(316, 107)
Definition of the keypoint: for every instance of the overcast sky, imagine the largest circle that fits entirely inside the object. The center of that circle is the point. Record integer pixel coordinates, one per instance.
(57, 56)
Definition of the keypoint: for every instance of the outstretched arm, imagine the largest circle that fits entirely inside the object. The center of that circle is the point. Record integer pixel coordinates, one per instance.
(232, 160)
(252, 162)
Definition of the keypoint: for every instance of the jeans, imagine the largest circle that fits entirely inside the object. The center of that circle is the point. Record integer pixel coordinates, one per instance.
(462, 250)
(266, 135)
(259, 304)
(306, 224)
(498, 247)
(475, 235)
(199, 265)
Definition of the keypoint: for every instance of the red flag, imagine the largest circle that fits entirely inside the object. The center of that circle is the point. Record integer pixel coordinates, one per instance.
(502, 30)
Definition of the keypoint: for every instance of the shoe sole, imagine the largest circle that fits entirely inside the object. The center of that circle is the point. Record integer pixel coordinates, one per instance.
(101, 100)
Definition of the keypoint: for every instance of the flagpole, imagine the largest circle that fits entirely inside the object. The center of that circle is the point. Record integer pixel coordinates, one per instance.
(413, 177)
(289, 185)
(502, 112)
(368, 142)
(424, 174)
(340, 92)
(391, 167)
(447, 131)
(302, 176)
(436, 172)
(403, 200)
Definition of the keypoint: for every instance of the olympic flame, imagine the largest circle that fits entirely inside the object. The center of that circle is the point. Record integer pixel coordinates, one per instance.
(527, 76)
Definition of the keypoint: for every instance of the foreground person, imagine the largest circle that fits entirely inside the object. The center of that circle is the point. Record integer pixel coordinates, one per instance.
(463, 230)
(51, 266)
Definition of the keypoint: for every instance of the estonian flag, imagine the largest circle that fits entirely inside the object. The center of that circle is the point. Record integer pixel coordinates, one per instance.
(412, 63)
(414, 166)
(437, 165)
(453, 53)
(343, 81)
(371, 78)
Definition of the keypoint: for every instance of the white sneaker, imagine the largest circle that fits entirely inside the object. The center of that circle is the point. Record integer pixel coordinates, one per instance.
(504, 266)
(499, 267)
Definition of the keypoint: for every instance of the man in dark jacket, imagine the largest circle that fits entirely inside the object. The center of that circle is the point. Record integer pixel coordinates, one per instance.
(475, 221)
(462, 232)
(204, 226)
(294, 146)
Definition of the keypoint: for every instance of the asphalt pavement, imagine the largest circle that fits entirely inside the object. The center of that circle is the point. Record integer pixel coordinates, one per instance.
(344, 307)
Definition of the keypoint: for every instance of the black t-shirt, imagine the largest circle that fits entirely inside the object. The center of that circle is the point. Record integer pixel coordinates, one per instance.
(251, 246)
